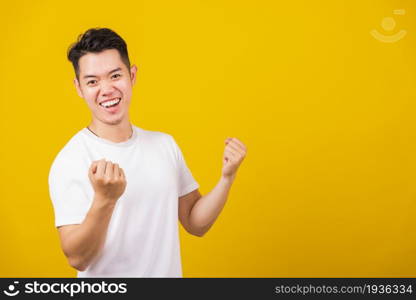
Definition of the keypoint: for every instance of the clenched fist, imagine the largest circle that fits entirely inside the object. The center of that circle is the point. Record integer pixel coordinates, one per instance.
(234, 153)
(107, 179)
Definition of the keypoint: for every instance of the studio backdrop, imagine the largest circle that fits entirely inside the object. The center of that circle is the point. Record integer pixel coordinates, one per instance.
(322, 93)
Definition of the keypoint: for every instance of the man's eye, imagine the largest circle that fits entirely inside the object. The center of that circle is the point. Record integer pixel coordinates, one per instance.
(114, 76)
(91, 81)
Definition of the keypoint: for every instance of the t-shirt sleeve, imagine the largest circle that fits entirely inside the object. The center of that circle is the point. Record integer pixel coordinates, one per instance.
(186, 182)
(67, 191)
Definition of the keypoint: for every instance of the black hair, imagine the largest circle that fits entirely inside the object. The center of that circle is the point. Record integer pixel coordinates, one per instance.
(96, 40)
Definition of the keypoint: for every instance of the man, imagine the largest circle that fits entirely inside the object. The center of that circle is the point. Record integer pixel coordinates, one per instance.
(118, 190)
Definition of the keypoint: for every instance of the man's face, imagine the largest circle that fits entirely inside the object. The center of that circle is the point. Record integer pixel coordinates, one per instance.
(106, 85)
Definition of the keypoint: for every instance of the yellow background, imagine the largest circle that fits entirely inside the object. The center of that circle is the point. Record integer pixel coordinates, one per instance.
(327, 113)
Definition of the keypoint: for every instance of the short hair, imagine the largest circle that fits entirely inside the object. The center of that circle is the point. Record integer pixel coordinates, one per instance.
(96, 40)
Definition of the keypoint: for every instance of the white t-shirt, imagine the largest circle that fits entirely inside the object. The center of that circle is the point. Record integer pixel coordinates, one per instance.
(143, 235)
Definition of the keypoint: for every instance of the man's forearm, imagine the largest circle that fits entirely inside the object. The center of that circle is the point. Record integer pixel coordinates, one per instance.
(85, 242)
(206, 210)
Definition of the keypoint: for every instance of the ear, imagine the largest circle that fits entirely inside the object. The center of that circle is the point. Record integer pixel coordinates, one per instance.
(133, 74)
(78, 88)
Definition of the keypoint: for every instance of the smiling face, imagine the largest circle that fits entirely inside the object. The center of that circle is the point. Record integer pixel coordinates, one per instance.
(106, 85)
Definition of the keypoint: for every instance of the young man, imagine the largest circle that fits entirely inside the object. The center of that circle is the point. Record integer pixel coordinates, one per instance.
(118, 190)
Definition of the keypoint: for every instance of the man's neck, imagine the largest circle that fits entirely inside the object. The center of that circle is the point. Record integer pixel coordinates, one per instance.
(114, 133)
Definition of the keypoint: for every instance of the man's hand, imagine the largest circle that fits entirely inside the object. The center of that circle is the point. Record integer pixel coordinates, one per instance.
(108, 180)
(234, 154)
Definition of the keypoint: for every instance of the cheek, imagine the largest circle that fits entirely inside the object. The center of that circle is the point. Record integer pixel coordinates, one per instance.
(91, 97)
(125, 88)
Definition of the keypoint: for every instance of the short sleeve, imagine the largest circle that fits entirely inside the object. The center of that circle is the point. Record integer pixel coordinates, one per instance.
(186, 182)
(68, 193)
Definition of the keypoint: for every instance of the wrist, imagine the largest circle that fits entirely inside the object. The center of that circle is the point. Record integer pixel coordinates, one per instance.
(104, 202)
(227, 179)
(100, 211)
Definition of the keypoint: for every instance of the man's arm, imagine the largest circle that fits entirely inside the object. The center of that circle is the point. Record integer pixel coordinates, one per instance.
(82, 243)
(198, 213)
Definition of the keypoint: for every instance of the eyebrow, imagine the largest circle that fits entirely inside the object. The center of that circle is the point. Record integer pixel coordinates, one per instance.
(112, 71)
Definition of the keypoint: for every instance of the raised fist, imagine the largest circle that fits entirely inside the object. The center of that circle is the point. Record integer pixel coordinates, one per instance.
(107, 179)
(234, 153)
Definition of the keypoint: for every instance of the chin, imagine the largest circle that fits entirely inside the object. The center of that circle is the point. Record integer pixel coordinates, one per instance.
(113, 122)
(110, 121)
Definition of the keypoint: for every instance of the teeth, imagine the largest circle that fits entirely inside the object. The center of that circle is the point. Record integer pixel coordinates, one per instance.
(109, 103)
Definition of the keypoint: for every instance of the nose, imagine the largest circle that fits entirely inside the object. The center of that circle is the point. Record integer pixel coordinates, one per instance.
(107, 88)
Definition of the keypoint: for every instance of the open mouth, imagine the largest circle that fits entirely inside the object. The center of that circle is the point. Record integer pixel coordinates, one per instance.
(110, 103)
